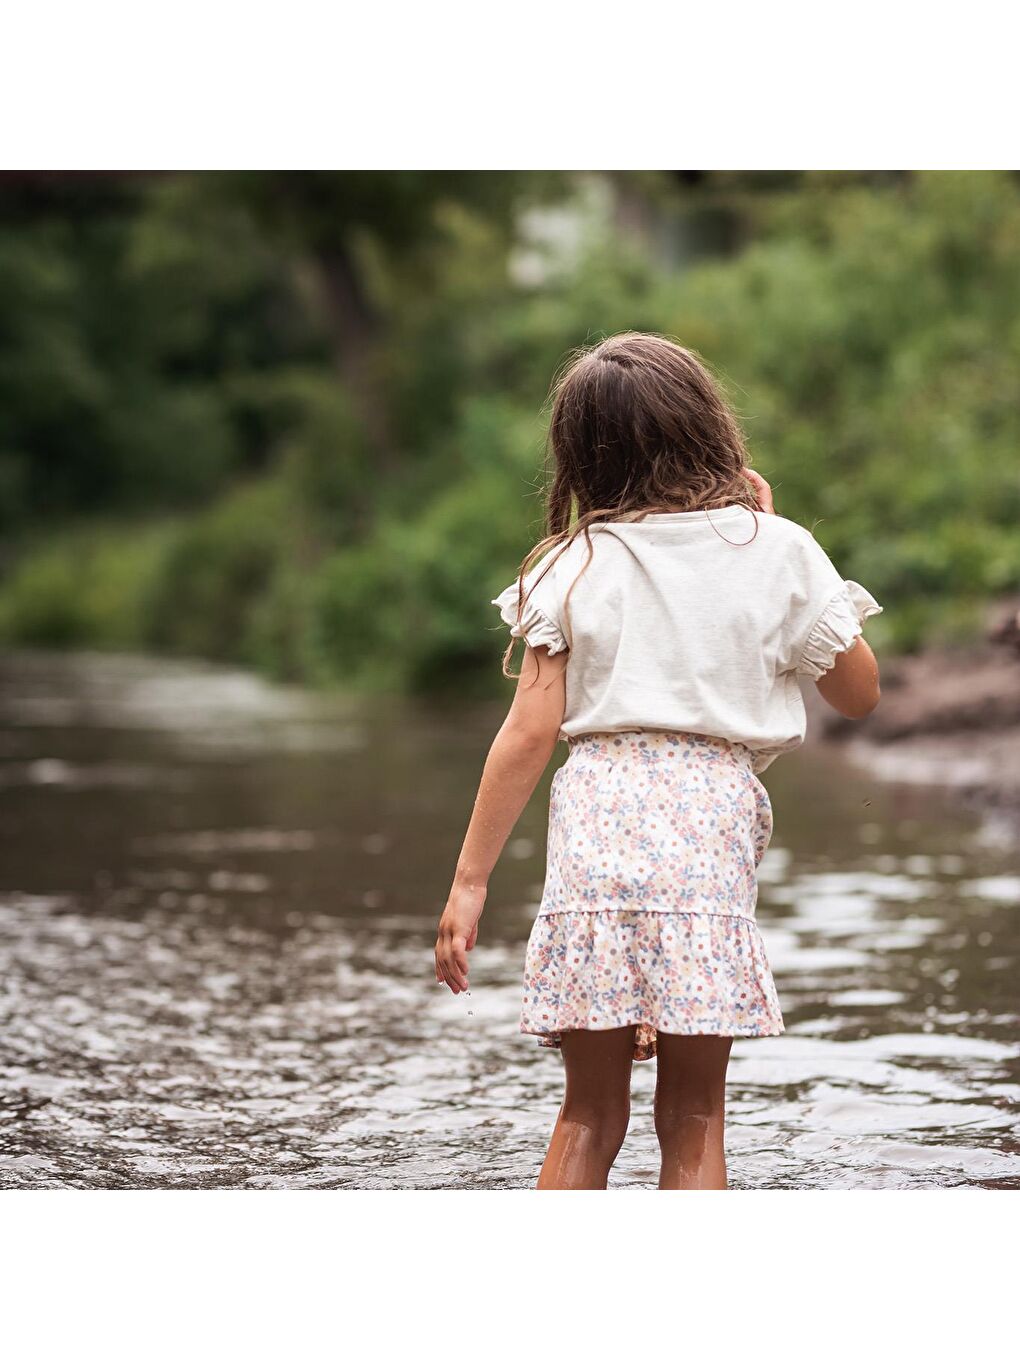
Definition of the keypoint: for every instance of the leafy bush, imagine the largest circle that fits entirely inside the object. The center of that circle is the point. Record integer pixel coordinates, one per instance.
(341, 412)
(87, 588)
(205, 596)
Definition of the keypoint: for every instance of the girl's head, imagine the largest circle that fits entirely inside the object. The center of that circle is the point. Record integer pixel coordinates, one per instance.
(639, 424)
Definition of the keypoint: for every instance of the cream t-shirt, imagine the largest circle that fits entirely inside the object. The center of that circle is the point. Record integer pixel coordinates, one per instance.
(686, 622)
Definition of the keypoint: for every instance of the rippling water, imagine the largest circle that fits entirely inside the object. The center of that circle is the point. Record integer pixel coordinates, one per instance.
(217, 909)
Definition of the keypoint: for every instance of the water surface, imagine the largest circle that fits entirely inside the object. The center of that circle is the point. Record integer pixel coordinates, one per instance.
(217, 910)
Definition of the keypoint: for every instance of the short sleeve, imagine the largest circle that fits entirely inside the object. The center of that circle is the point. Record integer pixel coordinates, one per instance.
(836, 629)
(537, 625)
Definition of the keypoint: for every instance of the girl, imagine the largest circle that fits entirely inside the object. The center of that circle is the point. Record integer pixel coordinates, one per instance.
(665, 628)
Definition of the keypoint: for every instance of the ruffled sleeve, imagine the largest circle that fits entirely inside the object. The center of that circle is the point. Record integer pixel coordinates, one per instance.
(836, 629)
(535, 627)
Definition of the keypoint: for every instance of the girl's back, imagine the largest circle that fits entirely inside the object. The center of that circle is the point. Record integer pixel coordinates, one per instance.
(692, 621)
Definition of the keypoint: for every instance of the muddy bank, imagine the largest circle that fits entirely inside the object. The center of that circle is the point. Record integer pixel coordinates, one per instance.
(947, 717)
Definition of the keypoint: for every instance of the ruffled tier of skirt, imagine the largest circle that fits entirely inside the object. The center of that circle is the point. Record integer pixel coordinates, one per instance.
(669, 972)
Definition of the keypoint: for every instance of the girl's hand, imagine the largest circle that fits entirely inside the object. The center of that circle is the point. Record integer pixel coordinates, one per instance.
(515, 761)
(458, 931)
(762, 489)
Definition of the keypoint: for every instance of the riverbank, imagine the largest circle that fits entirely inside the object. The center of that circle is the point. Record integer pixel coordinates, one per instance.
(947, 717)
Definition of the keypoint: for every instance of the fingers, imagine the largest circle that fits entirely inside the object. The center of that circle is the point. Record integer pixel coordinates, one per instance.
(451, 962)
(460, 960)
(763, 490)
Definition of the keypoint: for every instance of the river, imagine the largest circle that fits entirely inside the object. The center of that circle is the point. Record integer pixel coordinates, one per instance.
(217, 909)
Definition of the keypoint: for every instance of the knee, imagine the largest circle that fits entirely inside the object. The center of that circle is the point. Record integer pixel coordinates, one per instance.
(687, 1116)
(604, 1122)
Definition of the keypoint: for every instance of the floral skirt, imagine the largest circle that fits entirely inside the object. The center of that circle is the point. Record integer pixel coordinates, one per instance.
(647, 916)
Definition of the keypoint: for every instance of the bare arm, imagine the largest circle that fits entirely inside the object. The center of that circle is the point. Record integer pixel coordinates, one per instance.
(851, 687)
(516, 759)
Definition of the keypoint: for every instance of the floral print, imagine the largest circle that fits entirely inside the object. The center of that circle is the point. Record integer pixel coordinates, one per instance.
(647, 916)
(656, 821)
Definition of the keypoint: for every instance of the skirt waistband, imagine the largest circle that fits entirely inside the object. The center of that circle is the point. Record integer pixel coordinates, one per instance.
(652, 738)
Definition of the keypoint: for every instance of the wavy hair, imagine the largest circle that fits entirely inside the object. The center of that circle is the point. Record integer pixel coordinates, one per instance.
(638, 425)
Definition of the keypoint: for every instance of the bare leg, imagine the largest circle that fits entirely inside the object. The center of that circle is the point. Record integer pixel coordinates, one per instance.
(690, 1101)
(593, 1118)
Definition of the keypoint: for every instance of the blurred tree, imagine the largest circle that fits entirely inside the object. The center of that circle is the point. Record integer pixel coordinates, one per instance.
(127, 320)
(350, 225)
(296, 419)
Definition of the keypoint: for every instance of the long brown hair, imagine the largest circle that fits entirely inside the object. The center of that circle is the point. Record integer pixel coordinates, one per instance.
(638, 425)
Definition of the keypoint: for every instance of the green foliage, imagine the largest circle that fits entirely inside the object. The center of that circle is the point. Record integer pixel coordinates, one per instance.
(308, 409)
(410, 604)
(204, 600)
(86, 587)
(129, 324)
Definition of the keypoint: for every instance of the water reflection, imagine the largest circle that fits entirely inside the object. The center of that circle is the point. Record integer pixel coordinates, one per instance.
(217, 903)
